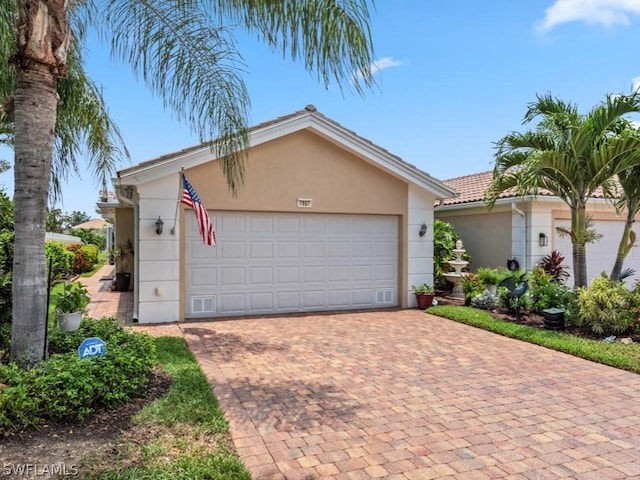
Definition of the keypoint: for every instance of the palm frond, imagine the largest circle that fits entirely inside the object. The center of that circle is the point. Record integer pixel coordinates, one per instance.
(191, 62)
(331, 37)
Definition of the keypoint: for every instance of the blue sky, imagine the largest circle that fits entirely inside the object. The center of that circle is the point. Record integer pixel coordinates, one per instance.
(454, 77)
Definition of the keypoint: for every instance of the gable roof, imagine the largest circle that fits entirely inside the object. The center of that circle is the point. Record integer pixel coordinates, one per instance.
(308, 118)
(472, 187)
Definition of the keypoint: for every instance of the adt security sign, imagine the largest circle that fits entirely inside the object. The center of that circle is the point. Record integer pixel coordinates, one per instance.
(92, 347)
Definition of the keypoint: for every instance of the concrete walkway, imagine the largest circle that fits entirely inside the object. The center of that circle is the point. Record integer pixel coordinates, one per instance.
(405, 395)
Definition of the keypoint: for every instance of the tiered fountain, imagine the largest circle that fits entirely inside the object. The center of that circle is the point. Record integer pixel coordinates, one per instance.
(458, 264)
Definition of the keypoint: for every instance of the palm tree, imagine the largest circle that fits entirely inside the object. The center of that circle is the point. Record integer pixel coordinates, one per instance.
(185, 52)
(630, 201)
(570, 155)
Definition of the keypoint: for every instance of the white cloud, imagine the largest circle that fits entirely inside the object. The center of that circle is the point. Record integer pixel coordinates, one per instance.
(636, 84)
(379, 65)
(383, 63)
(603, 12)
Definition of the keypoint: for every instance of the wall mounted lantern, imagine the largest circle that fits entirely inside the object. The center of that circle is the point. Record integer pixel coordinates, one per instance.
(159, 225)
(544, 240)
(423, 230)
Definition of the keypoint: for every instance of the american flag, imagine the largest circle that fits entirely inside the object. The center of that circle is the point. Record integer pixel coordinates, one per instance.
(191, 199)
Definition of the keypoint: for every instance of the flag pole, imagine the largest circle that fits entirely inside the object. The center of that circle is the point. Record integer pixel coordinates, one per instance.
(175, 217)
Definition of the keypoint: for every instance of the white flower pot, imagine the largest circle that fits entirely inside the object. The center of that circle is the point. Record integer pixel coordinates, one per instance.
(69, 321)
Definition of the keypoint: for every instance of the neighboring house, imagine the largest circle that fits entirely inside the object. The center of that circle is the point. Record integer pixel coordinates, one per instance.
(325, 220)
(62, 237)
(525, 228)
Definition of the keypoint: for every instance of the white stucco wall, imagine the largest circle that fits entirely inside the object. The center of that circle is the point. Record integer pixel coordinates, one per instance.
(158, 284)
(419, 249)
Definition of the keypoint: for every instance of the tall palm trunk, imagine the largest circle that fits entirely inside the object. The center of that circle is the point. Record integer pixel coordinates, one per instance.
(624, 247)
(578, 241)
(43, 37)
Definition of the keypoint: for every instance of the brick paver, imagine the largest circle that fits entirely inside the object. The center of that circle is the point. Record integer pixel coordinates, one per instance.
(104, 301)
(406, 395)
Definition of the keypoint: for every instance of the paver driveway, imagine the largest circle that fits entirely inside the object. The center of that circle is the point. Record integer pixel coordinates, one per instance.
(406, 395)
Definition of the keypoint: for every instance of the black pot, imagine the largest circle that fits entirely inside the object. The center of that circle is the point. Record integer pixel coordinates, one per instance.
(122, 281)
(553, 318)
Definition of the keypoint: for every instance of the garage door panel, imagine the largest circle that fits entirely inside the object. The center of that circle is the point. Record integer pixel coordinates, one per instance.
(232, 303)
(338, 273)
(313, 273)
(261, 275)
(288, 274)
(203, 277)
(313, 299)
(385, 272)
(270, 263)
(338, 249)
(288, 301)
(338, 225)
(262, 301)
(386, 249)
(230, 223)
(287, 249)
(287, 224)
(232, 276)
(232, 250)
(362, 272)
(313, 224)
(261, 225)
(198, 251)
(261, 249)
(362, 297)
(313, 249)
(339, 298)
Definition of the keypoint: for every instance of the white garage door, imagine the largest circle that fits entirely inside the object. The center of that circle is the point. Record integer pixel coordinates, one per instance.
(602, 253)
(289, 262)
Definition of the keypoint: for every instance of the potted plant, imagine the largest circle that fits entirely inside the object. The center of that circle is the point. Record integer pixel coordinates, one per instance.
(121, 256)
(490, 277)
(424, 295)
(70, 304)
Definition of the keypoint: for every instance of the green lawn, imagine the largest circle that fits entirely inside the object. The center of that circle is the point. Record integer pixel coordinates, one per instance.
(616, 354)
(190, 437)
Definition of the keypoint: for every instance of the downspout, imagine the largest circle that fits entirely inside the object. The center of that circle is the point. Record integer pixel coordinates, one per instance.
(515, 209)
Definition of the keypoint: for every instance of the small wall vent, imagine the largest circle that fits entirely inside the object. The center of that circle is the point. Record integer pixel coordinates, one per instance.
(384, 296)
(204, 304)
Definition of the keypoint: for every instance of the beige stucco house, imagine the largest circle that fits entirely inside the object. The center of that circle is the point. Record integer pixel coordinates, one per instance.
(325, 220)
(526, 228)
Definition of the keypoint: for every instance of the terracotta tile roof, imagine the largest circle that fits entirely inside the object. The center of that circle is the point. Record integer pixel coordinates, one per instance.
(472, 188)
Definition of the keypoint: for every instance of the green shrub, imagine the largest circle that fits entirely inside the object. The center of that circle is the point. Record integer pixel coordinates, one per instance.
(471, 285)
(547, 292)
(606, 306)
(61, 259)
(67, 387)
(90, 253)
(489, 276)
(6, 273)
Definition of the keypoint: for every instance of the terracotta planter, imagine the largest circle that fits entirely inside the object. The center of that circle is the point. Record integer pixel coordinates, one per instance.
(424, 300)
